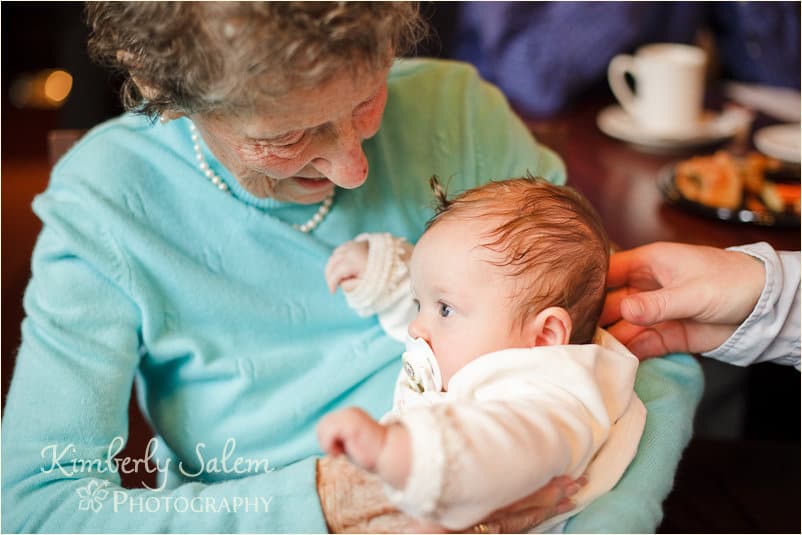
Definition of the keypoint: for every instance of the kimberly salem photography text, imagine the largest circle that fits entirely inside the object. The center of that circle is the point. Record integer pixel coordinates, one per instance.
(95, 496)
(206, 465)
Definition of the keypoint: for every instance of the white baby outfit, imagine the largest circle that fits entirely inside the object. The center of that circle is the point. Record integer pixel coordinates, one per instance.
(510, 421)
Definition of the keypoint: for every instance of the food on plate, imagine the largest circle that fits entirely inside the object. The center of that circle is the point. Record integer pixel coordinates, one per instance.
(711, 180)
(755, 166)
(789, 193)
(723, 180)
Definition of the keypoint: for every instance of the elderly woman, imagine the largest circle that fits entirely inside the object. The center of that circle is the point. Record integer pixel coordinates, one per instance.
(188, 252)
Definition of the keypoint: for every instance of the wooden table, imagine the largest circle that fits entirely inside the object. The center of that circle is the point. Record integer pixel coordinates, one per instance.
(620, 182)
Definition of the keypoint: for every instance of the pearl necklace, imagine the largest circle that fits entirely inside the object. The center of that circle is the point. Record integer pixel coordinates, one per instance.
(306, 228)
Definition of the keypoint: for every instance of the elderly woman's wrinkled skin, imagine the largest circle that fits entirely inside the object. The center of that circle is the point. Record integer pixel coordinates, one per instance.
(297, 147)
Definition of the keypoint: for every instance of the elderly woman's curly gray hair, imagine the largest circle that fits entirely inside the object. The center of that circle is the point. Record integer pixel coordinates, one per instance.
(198, 57)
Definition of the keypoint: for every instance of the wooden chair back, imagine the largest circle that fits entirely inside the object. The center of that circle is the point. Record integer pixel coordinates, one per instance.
(60, 141)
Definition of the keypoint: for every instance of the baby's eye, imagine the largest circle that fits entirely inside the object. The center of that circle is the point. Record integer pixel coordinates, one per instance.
(417, 304)
(446, 310)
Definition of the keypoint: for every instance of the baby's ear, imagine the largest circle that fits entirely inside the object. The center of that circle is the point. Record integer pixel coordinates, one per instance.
(550, 327)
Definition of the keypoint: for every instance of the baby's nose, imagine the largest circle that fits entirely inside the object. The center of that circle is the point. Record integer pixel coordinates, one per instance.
(417, 330)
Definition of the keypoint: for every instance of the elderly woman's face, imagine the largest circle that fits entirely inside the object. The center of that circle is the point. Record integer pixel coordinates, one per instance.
(299, 146)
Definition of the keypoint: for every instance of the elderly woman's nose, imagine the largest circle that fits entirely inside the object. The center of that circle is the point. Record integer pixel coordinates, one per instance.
(348, 134)
(348, 169)
(345, 163)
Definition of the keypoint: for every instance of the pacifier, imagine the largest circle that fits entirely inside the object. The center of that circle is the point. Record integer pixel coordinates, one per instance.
(420, 366)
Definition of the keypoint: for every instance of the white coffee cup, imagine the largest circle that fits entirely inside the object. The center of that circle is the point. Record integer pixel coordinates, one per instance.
(669, 87)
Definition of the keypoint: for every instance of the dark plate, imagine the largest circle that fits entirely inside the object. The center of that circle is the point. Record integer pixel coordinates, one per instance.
(665, 181)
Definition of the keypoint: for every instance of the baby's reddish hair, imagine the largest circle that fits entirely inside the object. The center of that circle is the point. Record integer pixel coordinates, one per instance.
(548, 237)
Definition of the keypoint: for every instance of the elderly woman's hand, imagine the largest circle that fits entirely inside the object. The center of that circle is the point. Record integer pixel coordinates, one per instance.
(544, 503)
(353, 501)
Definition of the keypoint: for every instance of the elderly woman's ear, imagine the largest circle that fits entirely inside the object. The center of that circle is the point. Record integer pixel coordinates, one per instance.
(147, 91)
(150, 93)
(167, 116)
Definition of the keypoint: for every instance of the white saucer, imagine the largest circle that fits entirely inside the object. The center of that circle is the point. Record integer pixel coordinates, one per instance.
(780, 141)
(714, 128)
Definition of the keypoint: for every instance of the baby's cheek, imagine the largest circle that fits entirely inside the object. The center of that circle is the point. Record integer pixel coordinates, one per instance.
(449, 363)
(457, 356)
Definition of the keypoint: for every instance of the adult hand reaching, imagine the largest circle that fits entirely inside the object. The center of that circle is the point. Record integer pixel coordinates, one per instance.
(675, 297)
(546, 502)
(353, 501)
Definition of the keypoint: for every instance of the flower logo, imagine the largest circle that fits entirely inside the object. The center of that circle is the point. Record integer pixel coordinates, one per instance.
(92, 495)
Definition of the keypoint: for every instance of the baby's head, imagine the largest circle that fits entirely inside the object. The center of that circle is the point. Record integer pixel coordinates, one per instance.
(516, 263)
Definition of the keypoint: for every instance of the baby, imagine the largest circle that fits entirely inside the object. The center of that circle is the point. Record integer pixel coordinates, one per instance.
(506, 381)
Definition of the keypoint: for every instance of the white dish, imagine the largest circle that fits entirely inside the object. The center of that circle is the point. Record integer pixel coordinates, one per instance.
(779, 102)
(714, 128)
(780, 141)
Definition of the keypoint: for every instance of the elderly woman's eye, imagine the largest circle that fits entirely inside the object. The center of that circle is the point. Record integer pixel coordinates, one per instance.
(446, 310)
(289, 142)
(281, 142)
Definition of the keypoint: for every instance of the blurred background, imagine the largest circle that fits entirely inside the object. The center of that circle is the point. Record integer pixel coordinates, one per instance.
(48, 84)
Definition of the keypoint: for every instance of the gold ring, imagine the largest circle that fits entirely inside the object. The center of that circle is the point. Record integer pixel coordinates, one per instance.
(481, 528)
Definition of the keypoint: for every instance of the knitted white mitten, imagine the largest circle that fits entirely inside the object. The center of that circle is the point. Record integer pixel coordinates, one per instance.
(386, 276)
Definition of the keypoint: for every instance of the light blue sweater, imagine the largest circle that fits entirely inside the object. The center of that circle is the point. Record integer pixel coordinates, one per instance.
(219, 308)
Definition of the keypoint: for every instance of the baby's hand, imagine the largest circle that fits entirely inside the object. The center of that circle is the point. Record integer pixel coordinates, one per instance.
(383, 450)
(352, 432)
(346, 264)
